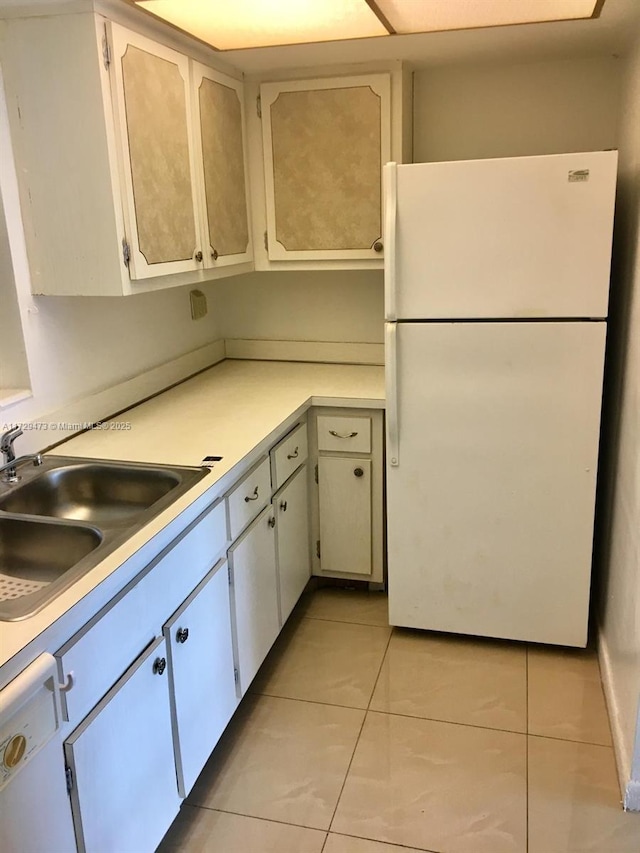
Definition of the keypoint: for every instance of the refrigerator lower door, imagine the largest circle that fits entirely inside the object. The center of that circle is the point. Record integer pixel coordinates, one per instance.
(490, 508)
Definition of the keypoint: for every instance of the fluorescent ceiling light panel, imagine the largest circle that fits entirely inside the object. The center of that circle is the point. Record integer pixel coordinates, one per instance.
(423, 16)
(231, 24)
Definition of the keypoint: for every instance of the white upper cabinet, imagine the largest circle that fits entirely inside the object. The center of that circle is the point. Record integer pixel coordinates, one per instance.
(150, 87)
(218, 108)
(317, 149)
(325, 142)
(130, 158)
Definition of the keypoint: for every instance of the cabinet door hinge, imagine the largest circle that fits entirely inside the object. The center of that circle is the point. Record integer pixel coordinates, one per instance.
(266, 242)
(68, 772)
(259, 106)
(318, 548)
(106, 49)
(126, 252)
(229, 575)
(315, 473)
(236, 675)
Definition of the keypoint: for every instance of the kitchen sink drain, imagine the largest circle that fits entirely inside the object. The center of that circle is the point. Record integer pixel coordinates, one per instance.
(17, 588)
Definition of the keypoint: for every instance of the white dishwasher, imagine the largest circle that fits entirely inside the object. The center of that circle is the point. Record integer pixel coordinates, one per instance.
(34, 807)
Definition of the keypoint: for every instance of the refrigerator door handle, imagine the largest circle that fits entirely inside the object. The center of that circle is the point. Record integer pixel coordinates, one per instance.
(390, 171)
(391, 377)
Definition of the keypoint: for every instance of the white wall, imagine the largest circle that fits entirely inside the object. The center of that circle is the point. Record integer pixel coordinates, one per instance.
(509, 110)
(303, 306)
(13, 358)
(620, 521)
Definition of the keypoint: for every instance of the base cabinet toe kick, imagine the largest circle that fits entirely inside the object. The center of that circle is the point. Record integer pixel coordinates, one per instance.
(153, 679)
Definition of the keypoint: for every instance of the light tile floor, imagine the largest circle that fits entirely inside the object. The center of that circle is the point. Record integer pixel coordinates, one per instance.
(359, 739)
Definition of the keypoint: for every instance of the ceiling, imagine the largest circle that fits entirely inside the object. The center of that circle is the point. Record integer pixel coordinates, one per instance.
(611, 33)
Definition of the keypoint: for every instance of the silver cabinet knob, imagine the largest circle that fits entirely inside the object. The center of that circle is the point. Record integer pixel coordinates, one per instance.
(358, 472)
(214, 254)
(378, 246)
(182, 635)
(159, 665)
(272, 522)
(283, 506)
(198, 257)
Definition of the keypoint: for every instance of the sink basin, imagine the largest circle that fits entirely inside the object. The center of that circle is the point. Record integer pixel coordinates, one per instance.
(35, 553)
(98, 493)
(66, 516)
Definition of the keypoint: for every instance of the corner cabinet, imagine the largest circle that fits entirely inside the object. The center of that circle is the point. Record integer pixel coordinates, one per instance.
(317, 147)
(325, 142)
(138, 148)
(347, 502)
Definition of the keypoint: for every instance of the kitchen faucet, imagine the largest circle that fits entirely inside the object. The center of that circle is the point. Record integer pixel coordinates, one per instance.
(10, 461)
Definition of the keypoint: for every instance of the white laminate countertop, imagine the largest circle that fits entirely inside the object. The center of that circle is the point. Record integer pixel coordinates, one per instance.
(235, 410)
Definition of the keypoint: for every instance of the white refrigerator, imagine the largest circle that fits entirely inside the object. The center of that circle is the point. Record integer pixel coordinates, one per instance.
(496, 293)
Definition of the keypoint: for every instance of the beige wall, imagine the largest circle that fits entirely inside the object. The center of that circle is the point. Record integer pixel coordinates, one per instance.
(509, 110)
(619, 558)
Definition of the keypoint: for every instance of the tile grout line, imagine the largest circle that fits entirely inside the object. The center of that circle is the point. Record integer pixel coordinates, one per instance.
(345, 622)
(255, 817)
(355, 747)
(397, 844)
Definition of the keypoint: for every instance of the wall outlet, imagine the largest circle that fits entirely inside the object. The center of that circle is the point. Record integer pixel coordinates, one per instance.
(198, 304)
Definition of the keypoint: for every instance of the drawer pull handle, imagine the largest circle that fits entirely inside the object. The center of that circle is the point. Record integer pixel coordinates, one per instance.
(283, 506)
(272, 521)
(253, 497)
(293, 455)
(182, 635)
(159, 666)
(358, 472)
(339, 435)
(66, 687)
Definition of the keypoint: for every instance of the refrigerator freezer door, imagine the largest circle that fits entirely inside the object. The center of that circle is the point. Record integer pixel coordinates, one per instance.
(513, 238)
(490, 510)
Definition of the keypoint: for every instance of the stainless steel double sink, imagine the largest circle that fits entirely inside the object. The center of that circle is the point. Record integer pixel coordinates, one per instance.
(62, 518)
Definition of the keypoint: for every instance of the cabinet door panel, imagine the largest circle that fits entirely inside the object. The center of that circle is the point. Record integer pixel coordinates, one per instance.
(202, 673)
(220, 162)
(324, 145)
(294, 567)
(255, 595)
(124, 795)
(345, 515)
(151, 99)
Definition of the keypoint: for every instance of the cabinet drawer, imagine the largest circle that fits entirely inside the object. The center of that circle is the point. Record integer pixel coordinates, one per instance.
(99, 653)
(249, 497)
(351, 435)
(288, 455)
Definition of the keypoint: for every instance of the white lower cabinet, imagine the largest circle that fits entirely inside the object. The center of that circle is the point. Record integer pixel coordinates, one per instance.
(254, 589)
(347, 504)
(201, 674)
(290, 505)
(124, 795)
(345, 515)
